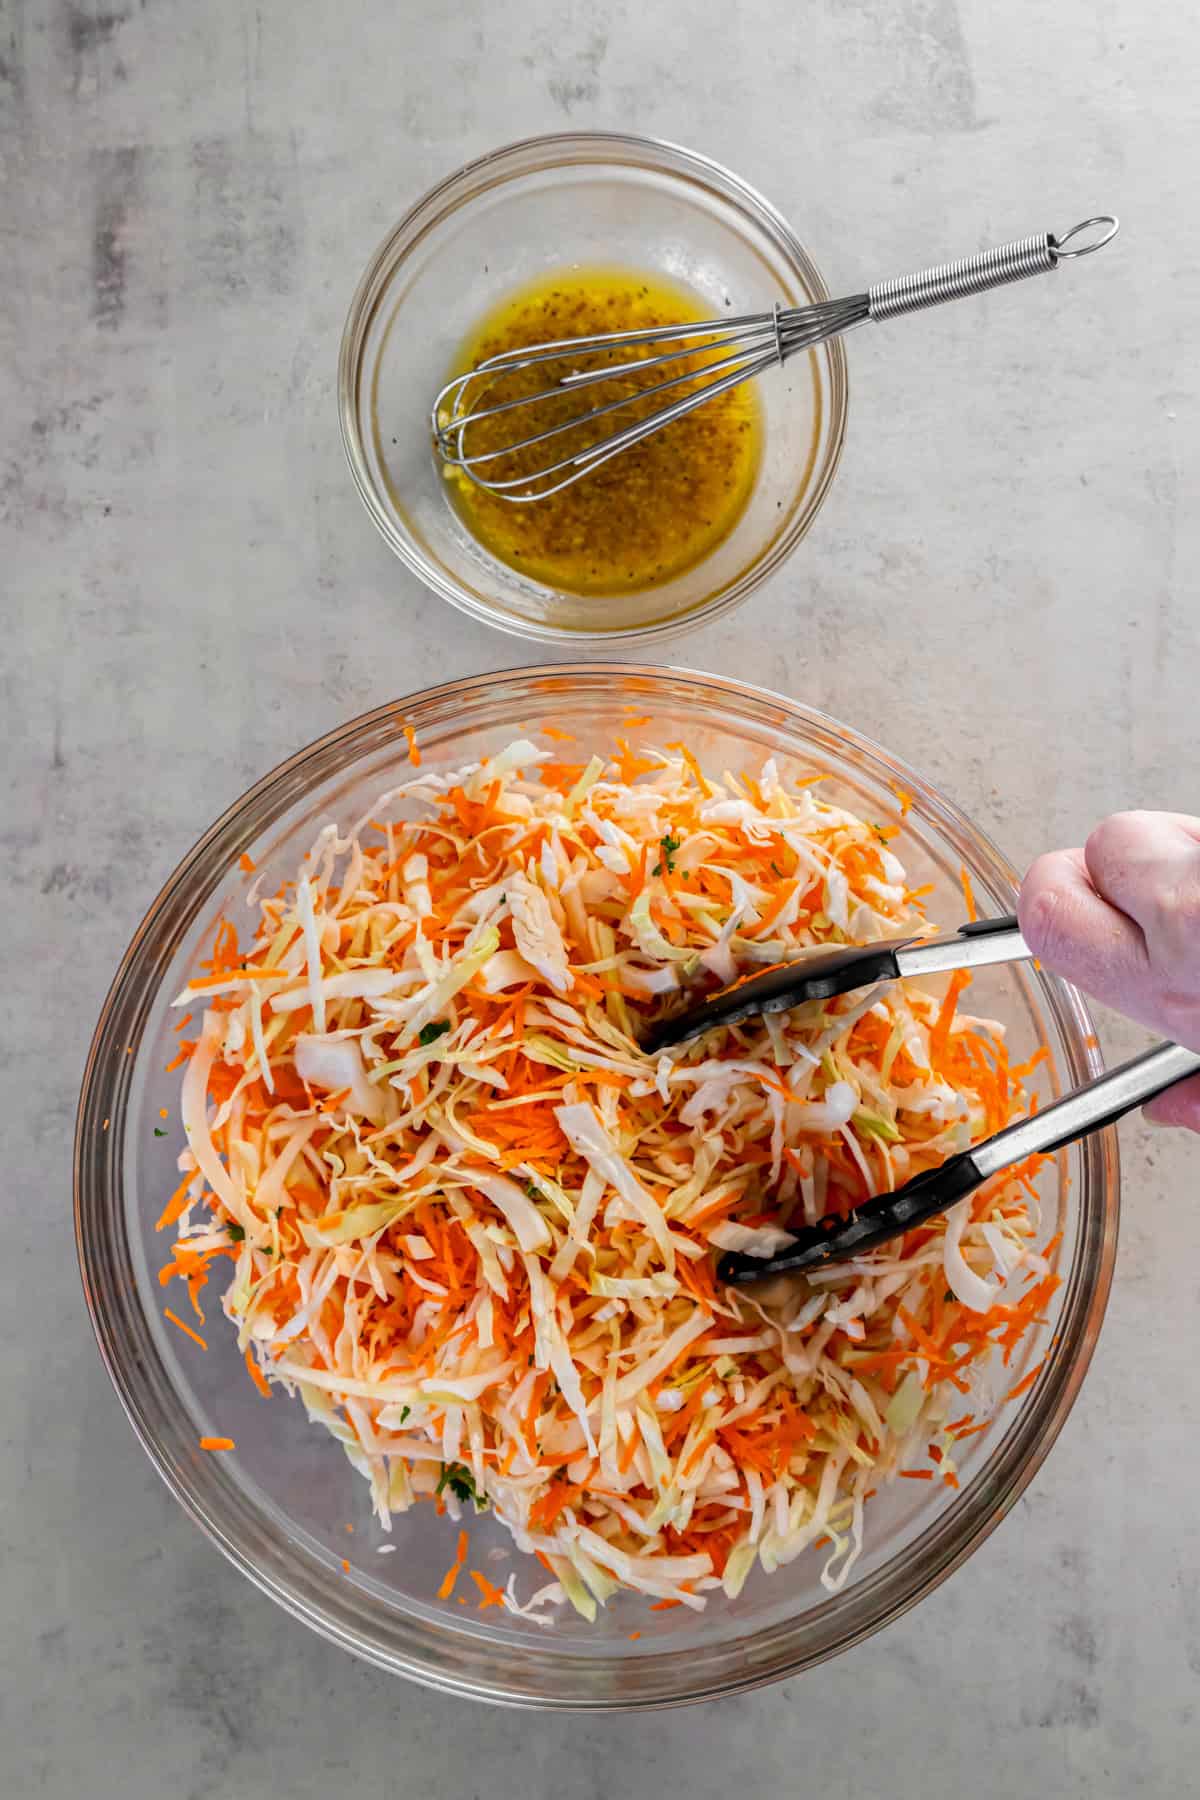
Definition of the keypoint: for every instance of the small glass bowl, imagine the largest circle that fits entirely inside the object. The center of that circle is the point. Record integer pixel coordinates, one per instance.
(279, 1505)
(583, 199)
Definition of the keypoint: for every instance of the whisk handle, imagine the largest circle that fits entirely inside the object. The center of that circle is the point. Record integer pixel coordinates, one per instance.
(986, 269)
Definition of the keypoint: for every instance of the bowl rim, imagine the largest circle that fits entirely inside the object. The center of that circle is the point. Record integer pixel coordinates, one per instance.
(99, 1189)
(573, 147)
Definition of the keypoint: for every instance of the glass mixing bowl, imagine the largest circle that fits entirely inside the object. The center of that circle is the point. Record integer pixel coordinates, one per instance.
(279, 1505)
(584, 199)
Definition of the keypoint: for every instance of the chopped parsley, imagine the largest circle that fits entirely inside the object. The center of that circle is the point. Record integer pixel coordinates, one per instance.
(668, 845)
(404, 1412)
(534, 1192)
(159, 1132)
(429, 1034)
(458, 1480)
(236, 1232)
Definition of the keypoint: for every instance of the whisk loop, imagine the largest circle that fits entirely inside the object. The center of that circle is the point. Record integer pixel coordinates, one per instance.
(740, 348)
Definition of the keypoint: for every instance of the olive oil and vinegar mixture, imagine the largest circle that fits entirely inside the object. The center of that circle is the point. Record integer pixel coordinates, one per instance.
(650, 513)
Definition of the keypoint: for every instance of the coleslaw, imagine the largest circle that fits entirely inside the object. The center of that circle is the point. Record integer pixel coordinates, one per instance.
(475, 1228)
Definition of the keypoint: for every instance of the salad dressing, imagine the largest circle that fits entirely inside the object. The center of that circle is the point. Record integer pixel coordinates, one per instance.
(652, 512)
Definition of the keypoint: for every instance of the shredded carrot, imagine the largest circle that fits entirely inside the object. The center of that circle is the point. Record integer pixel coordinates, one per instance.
(456, 1568)
(968, 893)
(492, 1595)
(940, 1035)
(177, 1205)
(186, 1329)
(217, 1443)
(256, 1375)
(345, 1566)
(917, 1474)
(697, 773)
(414, 754)
(779, 1087)
(225, 975)
(633, 1636)
(1014, 1393)
(245, 864)
(925, 1342)
(771, 913)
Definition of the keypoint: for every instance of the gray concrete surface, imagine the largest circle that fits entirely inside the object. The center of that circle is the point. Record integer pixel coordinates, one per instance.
(1001, 587)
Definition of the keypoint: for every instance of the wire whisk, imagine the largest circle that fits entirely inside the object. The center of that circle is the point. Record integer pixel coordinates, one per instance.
(695, 362)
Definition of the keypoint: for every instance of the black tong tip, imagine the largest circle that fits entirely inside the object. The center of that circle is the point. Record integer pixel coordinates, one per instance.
(817, 975)
(875, 1222)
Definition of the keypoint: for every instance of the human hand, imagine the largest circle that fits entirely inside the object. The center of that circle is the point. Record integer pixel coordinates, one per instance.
(1121, 919)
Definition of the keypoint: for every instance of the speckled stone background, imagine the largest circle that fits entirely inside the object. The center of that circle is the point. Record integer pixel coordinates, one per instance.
(1001, 586)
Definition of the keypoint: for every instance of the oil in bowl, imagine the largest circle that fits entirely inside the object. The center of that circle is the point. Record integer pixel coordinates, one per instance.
(653, 511)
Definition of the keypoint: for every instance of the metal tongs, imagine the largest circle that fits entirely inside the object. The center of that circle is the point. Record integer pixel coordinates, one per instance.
(820, 975)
